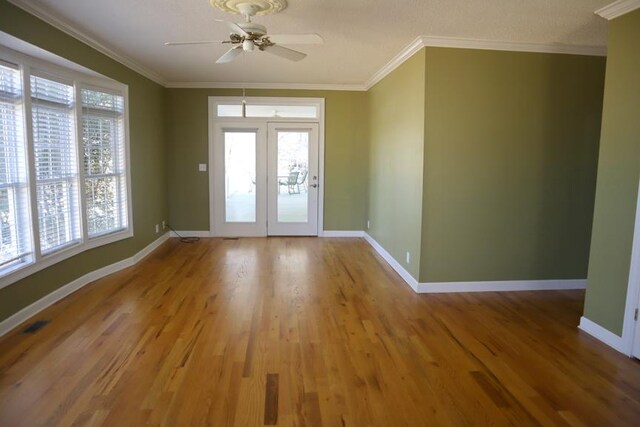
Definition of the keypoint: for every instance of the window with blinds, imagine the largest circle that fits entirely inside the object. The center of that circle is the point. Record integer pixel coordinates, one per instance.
(63, 164)
(15, 231)
(105, 185)
(56, 170)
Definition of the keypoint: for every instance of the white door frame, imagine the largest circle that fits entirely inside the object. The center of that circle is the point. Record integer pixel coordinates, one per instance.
(276, 228)
(629, 324)
(237, 100)
(218, 168)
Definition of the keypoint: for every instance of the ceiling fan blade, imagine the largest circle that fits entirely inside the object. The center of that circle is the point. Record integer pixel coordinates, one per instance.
(283, 52)
(193, 43)
(230, 55)
(296, 38)
(235, 28)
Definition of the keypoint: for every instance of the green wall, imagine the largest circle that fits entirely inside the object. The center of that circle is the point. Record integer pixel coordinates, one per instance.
(147, 150)
(396, 140)
(345, 173)
(618, 176)
(510, 157)
(482, 164)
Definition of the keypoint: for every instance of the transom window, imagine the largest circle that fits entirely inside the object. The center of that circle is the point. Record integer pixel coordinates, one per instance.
(64, 184)
(268, 111)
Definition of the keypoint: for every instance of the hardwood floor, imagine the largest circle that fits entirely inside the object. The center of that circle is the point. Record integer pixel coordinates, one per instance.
(306, 331)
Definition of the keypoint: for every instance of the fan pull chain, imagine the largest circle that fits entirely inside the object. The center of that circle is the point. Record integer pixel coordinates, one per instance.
(244, 101)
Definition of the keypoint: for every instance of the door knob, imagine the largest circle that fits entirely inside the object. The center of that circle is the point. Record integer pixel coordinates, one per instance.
(314, 185)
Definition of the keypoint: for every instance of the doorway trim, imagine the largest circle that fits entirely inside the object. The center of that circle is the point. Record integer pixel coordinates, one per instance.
(632, 302)
(623, 343)
(213, 118)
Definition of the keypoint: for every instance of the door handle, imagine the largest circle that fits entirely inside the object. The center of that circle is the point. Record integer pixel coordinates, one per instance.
(314, 185)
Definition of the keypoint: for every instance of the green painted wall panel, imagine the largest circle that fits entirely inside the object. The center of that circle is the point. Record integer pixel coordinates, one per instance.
(618, 176)
(345, 155)
(396, 106)
(148, 159)
(510, 161)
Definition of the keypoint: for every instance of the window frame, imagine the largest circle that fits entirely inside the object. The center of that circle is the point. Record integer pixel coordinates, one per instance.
(82, 173)
(29, 65)
(24, 217)
(68, 179)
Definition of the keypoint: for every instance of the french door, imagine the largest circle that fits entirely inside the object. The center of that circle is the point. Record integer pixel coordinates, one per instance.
(265, 179)
(239, 176)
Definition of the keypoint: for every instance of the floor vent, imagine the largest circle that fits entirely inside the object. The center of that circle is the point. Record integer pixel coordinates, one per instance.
(229, 238)
(35, 326)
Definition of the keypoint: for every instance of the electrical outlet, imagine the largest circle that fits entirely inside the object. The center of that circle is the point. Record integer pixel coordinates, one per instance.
(164, 224)
(408, 257)
(202, 167)
(368, 224)
(157, 228)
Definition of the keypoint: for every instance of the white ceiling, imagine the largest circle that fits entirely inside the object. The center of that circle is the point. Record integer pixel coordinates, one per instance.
(360, 35)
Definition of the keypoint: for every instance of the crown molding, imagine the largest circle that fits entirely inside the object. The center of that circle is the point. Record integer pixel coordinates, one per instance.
(45, 16)
(461, 43)
(617, 8)
(289, 86)
(406, 53)
(453, 42)
(395, 62)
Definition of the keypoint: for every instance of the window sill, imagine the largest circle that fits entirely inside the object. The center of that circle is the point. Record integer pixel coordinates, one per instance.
(46, 261)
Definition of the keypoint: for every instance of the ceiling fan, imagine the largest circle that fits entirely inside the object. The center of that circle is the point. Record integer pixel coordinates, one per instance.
(249, 36)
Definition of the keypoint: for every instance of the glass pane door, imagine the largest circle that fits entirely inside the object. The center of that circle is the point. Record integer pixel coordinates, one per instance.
(293, 171)
(293, 179)
(264, 179)
(240, 176)
(239, 179)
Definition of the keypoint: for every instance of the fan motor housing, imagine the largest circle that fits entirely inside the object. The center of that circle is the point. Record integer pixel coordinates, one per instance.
(253, 28)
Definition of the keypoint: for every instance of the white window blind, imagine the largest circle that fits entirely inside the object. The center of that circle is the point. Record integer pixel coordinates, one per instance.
(56, 170)
(15, 230)
(105, 185)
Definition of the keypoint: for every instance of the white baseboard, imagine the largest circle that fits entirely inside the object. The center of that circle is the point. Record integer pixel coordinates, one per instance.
(26, 313)
(146, 251)
(501, 286)
(187, 233)
(598, 332)
(325, 233)
(406, 276)
(484, 286)
(342, 233)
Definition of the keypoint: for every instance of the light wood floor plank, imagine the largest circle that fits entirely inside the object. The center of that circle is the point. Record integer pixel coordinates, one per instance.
(306, 331)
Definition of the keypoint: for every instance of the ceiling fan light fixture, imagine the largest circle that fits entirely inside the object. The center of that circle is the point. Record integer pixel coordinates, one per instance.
(249, 36)
(248, 45)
